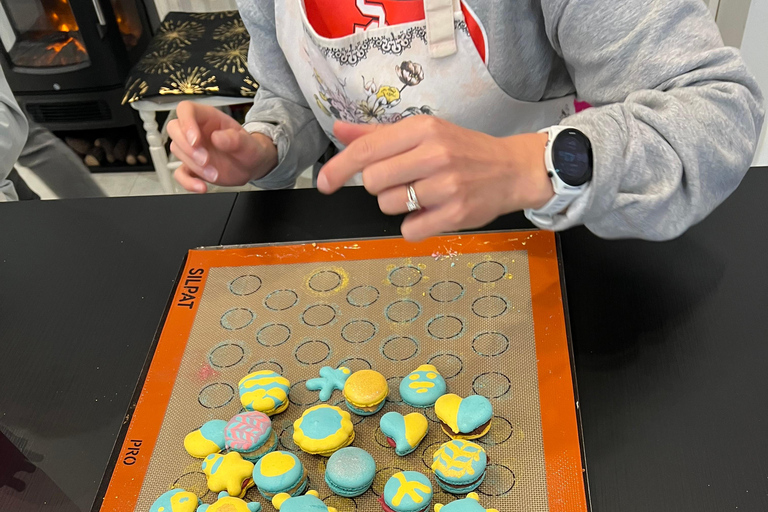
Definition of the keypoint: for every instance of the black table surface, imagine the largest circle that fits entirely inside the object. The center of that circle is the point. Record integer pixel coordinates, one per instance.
(669, 338)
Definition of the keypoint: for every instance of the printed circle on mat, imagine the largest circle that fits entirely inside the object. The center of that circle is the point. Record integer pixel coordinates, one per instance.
(273, 335)
(318, 315)
(400, 348)
(429, 412)
(381, 478)
(286, 439)
(359, 331)
(403, 311)
(216, 395)
(301, 396)
(428, 453)
(226, 354)
(445, 327)
(449, 365)
(446, 291)
(500, 432)
(489, 271)
(237, 318)
(312, 352)
(381, 438)
(405, 276)
(362, 296)
(394, 390)
(325, 281)
(499, 480)
(355, 364)
(491, 385)
(267, 365)
(195, 482)
(490, 344)
(340, 503)
(489, 306)
(245, 285)
(280, 300)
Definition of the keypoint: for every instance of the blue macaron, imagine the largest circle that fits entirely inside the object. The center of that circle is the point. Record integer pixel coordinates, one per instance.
(350, 472)
(459, 466)
(406, 491)
(278, 472)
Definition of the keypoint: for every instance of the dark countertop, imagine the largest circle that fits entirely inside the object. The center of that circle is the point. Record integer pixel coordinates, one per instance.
(669, 338)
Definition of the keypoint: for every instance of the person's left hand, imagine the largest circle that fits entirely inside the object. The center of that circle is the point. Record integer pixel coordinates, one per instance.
(463, 179)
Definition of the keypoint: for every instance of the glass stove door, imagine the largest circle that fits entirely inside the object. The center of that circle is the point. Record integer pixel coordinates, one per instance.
(41, 34)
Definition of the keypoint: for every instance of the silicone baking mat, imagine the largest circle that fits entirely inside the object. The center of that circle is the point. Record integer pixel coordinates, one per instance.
(485, 309)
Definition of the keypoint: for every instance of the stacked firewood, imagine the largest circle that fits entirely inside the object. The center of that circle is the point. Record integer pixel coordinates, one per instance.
(105, 151)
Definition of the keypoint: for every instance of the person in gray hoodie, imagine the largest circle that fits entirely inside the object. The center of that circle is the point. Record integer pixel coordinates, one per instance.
(13, 136)
(674, 120)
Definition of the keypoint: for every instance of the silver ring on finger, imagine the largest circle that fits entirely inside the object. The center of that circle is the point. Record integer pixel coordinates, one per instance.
(413, 202)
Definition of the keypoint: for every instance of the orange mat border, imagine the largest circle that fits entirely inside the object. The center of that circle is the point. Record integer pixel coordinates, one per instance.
(560, 429)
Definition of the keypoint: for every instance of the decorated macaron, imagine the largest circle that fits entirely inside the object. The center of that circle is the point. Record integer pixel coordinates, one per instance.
(251, 435)
(422, 387)
(469, 504)
(279, 472)
(228, 473)
(264, 391)
(365, 392)
(329, 381)
(404, 433)
(323, 429)
(227, 503)
(459, 466)
(350, 472)
(175, 500)
(464, 418)
(406, 491)
(206, 440)
(310, 502)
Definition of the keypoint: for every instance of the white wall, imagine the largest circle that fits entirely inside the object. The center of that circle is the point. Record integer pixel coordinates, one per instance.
(754, 48)
(165, 6)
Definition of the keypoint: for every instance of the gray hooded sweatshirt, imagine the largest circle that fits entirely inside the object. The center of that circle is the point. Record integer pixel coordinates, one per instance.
(676, 114)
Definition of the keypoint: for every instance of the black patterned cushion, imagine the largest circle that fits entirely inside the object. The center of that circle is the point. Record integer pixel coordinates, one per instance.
(194, 54)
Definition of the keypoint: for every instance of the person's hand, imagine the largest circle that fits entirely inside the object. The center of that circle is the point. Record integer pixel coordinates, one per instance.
(463, 179)
(214, 148)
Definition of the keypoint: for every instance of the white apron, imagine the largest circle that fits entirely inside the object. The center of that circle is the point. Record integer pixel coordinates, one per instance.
(387, 73)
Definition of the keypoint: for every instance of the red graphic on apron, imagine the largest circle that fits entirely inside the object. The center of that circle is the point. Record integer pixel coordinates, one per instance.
(334, 19)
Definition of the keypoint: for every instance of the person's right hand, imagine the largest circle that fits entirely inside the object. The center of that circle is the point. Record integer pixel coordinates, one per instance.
(214, 148)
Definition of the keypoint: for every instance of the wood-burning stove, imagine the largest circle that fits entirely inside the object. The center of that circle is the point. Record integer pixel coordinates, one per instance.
(67, 60)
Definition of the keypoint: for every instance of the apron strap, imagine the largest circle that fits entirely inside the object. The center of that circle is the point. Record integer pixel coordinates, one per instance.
(441, 36)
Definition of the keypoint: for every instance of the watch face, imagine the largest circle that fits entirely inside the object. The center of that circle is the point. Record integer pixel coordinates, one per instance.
(572, 157)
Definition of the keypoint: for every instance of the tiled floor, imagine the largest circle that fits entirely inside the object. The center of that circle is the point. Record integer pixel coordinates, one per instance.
(122, 184)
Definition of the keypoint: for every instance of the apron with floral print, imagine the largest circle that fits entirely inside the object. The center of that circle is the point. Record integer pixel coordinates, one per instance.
(387, 73)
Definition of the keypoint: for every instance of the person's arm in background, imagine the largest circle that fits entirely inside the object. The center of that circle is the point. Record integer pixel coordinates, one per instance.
(677, 115)
(13, 135)
(279, 109)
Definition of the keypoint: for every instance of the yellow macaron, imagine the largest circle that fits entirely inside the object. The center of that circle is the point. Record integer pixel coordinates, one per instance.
(365, 392)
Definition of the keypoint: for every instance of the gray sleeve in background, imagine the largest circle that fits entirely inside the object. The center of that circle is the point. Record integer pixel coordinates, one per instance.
(677, 114)
(13, 135)
(279, 109)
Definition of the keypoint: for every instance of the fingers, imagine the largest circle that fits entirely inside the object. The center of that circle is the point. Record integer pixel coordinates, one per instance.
(181, 147)
(189, 180)
(346, 133)
(379, 143)
(402, 169)
(207, 172)
(188, 126)
(430, 192)
(231, 140)
(425, 223)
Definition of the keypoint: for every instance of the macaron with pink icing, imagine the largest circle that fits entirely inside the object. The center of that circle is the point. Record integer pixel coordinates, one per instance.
(251, 435)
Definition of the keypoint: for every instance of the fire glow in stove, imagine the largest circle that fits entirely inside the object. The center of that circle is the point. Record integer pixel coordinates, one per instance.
(67, 60)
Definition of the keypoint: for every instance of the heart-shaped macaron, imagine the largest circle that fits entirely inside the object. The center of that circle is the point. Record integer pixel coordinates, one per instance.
(464, 418)
(404, 433)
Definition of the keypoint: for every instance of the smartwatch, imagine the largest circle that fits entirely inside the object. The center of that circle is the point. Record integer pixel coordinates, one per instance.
(568, 159)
